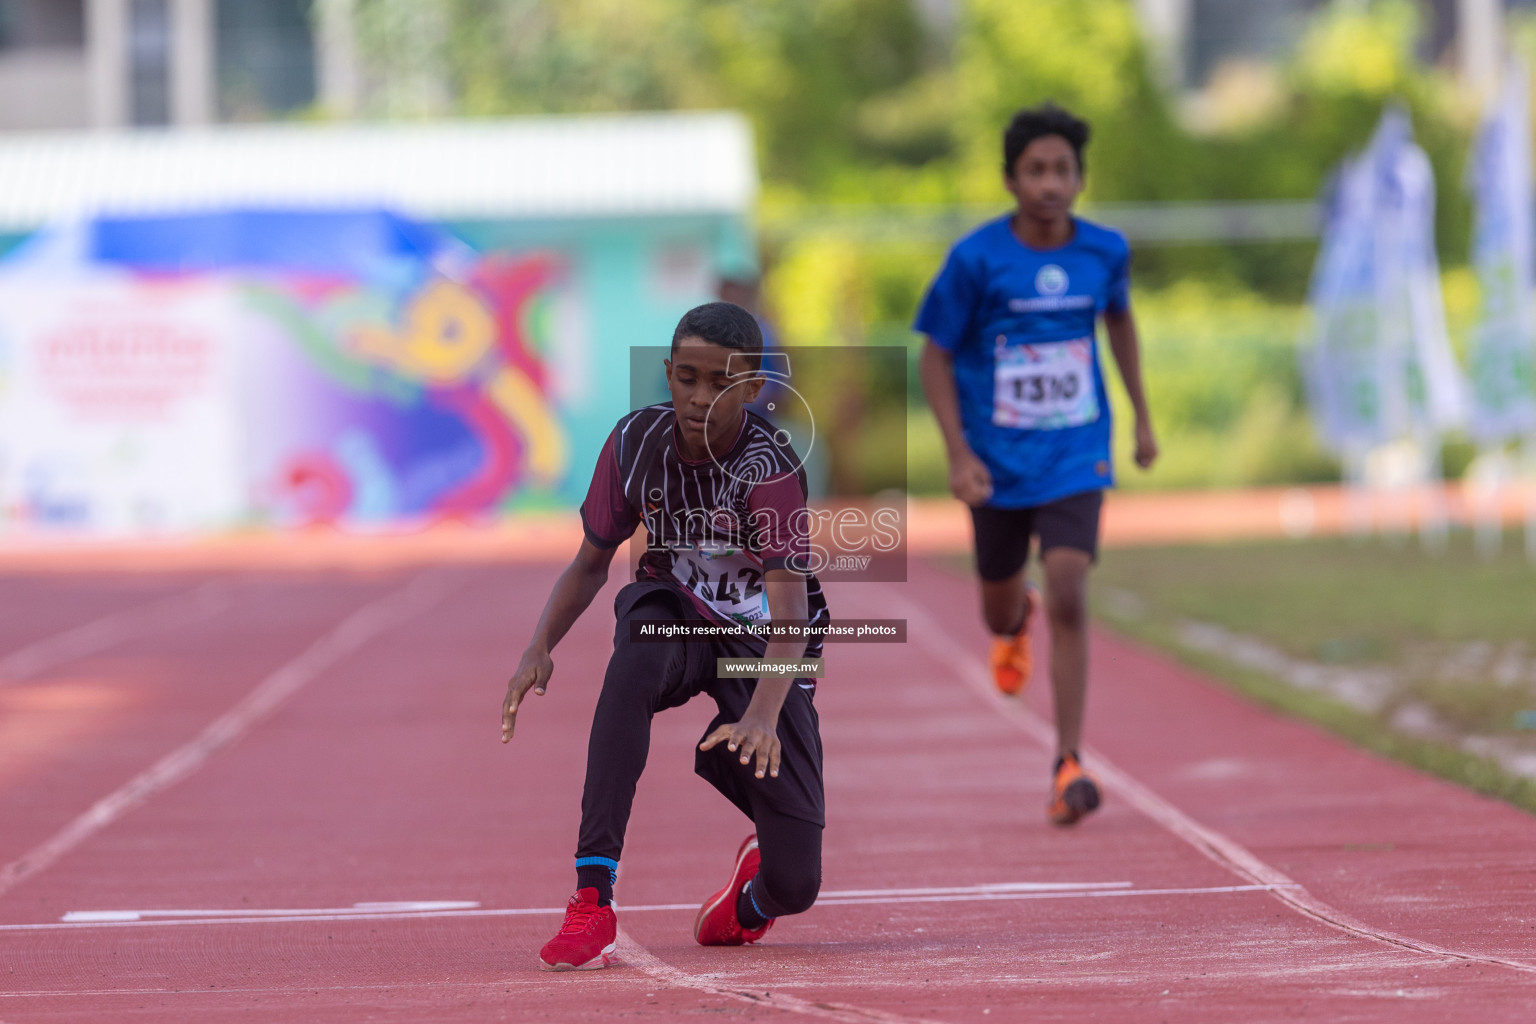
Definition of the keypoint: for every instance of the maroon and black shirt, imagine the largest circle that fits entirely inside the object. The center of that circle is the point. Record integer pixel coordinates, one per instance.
(716, 525)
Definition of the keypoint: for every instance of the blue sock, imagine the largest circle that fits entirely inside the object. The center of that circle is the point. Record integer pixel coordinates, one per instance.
(747, 912)
(597, 873)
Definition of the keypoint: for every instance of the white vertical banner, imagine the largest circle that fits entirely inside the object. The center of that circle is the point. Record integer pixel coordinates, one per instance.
(1423, 382)
(1380, 370)
(117, 405)
(1339, 366)
(1502, 356)
(1437, 391)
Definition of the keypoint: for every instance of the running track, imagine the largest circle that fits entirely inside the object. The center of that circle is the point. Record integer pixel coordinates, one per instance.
(248, 759)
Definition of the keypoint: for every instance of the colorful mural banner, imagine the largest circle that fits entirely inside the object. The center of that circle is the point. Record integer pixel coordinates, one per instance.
(371, 408)
(118, 405)
(217, 383)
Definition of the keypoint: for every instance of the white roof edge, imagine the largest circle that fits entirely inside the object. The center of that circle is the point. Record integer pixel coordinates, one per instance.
(512, 168)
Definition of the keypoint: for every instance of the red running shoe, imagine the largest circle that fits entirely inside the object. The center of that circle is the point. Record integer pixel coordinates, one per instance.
(586, 940)
(716, 923)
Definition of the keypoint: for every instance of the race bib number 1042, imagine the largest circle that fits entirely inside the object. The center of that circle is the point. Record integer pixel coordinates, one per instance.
(727, 579)
(1045, 387)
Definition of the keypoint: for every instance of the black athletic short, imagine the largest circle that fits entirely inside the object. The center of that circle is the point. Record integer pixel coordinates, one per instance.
(797, 792)
(1003, 534)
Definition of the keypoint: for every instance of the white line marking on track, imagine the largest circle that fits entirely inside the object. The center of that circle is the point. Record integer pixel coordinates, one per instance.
(1223, 850)
(539, 982)
(637, 956)
(373, 912)
(201, 602)
(640, 982)
(971, 889)
(358, 628)
(1083, 894)
(404, 908)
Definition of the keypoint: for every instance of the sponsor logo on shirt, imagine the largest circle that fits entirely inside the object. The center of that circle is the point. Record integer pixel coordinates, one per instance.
(1050, 303)
(1051, 280)
(1052, 283)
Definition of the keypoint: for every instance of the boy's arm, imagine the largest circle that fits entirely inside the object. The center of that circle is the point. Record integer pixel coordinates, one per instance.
(1121, 327)
(969, 479)
(758, 731)
(573, 592)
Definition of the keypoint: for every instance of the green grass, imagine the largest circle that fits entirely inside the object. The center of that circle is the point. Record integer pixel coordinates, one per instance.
(1458, 633)
(1337, 599)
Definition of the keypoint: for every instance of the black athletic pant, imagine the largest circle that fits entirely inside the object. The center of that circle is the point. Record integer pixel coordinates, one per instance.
(644, 678)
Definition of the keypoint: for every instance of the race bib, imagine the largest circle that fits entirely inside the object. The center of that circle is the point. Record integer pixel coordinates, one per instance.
(1045, 387)
(727, 579)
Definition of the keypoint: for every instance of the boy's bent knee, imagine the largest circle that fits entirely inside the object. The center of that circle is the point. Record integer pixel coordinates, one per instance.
(791, 891)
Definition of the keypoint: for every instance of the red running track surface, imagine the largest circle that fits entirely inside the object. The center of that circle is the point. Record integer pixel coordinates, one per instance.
(242, 760)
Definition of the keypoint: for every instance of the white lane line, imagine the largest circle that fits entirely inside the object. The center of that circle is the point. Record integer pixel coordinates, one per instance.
(637, 956)
(358, 628)
(969, 889)
(186, 608)
(536, 980)
(1084, 894)
(404, 908)
(362, 912)
(1223, 850)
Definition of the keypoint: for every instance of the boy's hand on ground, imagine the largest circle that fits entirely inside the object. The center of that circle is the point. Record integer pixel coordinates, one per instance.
(970, 480)
(532, 673)
(1146, 445)
(747, 737)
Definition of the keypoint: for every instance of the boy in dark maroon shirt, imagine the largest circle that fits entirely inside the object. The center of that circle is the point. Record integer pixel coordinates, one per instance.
(722, 496)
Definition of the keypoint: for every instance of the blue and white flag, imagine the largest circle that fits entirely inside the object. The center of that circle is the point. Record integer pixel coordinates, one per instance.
(1502, 355)
(1343, 381)
(1380, 367)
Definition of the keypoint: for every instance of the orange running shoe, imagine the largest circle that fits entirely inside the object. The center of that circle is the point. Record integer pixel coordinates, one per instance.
(1074, 792)
(1012, 659)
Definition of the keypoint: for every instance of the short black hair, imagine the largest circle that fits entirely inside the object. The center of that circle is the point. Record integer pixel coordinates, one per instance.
(1033, 123)
(725, 324)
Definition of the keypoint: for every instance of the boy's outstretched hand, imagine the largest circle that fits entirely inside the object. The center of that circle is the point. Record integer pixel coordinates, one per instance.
(532, 673)
(750, 736)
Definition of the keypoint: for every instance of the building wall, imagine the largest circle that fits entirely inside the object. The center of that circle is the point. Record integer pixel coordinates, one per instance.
(42, 24)
(117, 63)
(1195, 38)
(44, 81)
(265, 57)
(144, 63)
(1222, 30)
(44, 88)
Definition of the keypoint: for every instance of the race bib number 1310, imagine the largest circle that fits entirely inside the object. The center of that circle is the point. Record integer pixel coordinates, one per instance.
(1045, 387)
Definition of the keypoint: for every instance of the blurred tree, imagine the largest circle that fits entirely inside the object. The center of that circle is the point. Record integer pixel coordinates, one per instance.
(826, 82)
(874, 104)
(879, 101)
(1088, 56)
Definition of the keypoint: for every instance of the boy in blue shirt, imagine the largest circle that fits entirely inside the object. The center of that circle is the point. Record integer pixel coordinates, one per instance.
(1011, 371)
